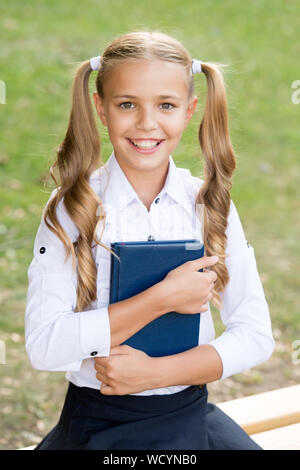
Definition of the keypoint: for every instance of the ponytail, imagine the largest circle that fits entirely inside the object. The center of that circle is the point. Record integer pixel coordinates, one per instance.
(219, 165)
(77, 157)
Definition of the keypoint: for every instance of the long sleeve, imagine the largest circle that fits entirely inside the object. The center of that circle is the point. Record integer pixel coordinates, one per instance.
(247, 340)
(56, 337)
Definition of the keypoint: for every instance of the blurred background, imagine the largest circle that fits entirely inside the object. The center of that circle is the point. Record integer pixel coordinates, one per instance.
(41, 42)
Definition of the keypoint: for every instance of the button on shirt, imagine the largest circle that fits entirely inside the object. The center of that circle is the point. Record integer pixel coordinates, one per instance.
(59, 339)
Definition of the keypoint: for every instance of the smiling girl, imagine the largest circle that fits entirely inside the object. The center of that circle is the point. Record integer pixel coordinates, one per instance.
(119, 397)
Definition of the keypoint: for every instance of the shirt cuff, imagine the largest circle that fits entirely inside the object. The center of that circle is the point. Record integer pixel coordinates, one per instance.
(95, 333)
(231, 353)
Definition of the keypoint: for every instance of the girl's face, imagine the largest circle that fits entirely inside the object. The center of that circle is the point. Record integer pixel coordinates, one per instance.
(145, 102)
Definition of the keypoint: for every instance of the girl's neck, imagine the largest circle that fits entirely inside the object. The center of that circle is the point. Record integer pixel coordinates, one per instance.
(147, 184)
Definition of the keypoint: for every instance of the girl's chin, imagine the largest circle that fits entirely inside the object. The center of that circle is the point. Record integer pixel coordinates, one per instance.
(143, 162)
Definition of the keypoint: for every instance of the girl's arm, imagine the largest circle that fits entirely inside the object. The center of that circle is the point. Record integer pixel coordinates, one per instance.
(247, 340)
(125, 317)
(199, 365)
(57, 338)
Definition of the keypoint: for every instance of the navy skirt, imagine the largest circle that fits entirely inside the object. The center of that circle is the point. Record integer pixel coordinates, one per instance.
(180, 421)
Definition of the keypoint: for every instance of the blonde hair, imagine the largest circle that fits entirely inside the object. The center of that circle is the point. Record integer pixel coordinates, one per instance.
(79, 155)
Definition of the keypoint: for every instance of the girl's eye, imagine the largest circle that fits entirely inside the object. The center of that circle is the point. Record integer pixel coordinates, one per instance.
(168, 104)
(123, 105)
(127, 102)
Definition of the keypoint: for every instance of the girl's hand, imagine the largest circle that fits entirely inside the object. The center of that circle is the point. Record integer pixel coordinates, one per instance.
(126, 370)
(186, 289)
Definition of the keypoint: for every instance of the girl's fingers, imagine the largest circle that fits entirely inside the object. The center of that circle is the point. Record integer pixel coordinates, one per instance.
(210, 296)
(204, 308)
(206, 300)
(201, 263)
(213, 276)
(101, 373)
(99, 367)
(102, 377)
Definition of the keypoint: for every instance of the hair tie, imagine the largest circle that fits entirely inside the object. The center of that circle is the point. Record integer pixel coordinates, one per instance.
(95, 62)
(196, 66)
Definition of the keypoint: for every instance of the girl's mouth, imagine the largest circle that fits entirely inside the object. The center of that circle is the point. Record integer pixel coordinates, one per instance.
(148, 147)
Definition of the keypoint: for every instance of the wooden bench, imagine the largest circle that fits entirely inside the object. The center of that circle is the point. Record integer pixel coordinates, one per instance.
(272, 419)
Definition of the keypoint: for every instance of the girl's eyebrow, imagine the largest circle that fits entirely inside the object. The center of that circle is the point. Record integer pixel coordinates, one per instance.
(163, 97)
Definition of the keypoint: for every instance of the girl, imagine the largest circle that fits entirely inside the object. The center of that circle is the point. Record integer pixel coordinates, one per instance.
(119, 397)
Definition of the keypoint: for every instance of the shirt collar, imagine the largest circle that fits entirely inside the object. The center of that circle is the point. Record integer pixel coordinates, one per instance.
(119, 192)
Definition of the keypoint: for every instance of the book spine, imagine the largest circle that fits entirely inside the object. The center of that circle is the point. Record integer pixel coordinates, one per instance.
(114, 276)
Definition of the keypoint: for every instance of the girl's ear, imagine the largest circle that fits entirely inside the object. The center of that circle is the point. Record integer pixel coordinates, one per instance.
(190, 110)
(100, 108)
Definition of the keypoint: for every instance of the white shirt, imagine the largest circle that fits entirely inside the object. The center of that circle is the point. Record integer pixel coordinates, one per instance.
(59, 339)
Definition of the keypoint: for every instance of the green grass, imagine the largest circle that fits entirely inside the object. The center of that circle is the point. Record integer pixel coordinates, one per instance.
(40, 43)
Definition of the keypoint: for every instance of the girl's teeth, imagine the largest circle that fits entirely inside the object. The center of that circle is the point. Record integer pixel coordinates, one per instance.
(145, 144)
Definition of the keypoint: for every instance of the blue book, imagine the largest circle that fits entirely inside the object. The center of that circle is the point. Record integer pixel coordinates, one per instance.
(142, 264)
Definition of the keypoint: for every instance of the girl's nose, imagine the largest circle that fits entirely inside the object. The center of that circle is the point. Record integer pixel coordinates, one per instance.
(147, 120)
